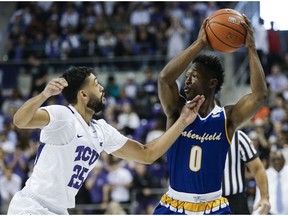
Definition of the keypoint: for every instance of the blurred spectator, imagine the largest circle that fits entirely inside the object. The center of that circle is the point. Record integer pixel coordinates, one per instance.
(12, 103)
(211, 8)
(130, 86)
(175, 10)
(18, 162)
(19, 50)
(39, 75)
(2, 162)
(53, 45)
(10, 183)
(5, 144)
(145, 42)
(98, 187)
(274, 55)
(175, 34)
(88, 42)
(88, 18)
(143, 183)
(277, 82)
(107, 42)
(128, 119)
(260, 144)
(139, 15)
(70, 45)
(38, 45)
(277, 175)
(112, 89)
(278, 112)
(120, 180)
(188, 24)
(157, 130)
(261, 42)
(70, 17)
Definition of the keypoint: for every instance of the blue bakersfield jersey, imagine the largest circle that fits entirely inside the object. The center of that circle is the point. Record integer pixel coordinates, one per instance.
(197, 158)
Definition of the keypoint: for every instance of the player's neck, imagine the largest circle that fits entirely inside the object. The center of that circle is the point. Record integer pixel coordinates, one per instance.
(85, 112)
(206, 108)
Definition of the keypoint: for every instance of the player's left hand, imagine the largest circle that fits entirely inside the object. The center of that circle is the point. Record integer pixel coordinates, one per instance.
(250, 41)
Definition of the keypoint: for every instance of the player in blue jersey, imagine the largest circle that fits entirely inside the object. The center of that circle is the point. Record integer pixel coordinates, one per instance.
(196, 160)
(71, 142)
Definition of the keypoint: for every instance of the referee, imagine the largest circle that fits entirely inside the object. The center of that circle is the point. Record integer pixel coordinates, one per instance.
(242, 153)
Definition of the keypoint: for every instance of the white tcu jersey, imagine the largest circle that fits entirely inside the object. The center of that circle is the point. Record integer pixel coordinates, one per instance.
(68, 152)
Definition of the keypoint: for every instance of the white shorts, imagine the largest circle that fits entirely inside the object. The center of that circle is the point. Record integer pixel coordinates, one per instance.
(24, 204)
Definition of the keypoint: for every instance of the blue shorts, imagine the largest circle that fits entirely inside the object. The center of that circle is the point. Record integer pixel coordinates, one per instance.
(168, 205)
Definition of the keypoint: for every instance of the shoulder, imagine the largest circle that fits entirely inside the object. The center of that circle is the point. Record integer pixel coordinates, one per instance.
(56, 108)
(58, 111)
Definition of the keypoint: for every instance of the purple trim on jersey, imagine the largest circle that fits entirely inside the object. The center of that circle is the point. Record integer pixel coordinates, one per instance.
(40, 148)
(70, 109)
(93, 121)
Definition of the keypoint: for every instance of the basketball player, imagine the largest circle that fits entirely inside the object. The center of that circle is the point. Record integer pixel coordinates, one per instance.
(71, 142)
(196, 160)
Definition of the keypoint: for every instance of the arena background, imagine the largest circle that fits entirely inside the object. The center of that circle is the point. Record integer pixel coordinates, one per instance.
(128, 44)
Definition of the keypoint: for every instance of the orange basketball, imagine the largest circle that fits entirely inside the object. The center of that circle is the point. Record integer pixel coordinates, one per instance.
(224, 30)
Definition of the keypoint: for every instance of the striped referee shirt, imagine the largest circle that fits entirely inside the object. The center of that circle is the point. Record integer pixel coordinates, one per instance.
(241, 151)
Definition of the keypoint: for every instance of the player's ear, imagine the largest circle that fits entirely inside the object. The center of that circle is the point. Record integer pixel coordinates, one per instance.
(82, 94)
(213, 83)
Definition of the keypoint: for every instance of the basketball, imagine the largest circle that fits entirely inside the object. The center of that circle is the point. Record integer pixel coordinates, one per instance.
(224, 30)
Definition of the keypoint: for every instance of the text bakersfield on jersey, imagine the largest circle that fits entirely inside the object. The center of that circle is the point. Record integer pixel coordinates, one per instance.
(204, 137)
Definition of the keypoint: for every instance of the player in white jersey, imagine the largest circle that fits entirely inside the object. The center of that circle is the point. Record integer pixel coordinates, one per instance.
(71, 141)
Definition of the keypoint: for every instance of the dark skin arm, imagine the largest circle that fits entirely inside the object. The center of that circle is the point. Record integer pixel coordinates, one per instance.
(169, 96)
(249, 104)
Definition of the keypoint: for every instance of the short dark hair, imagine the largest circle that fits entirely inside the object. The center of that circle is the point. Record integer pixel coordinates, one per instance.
(75, 77)
(213, 68)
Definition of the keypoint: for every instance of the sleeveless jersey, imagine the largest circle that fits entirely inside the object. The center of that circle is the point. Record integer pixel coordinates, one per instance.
(197, 158)
(68, 151)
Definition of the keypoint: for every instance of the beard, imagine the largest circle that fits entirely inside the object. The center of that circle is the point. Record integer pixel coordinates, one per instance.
(96, 104)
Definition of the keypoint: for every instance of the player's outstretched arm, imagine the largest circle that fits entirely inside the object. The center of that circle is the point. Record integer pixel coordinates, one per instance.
(150, 152)
(167, 87)
(29, 115)
(251, 103)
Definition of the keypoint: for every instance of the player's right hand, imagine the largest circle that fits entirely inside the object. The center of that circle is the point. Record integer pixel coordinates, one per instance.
(54, 87)
(202, 34)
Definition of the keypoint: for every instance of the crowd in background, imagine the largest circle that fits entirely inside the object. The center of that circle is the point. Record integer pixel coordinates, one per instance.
(56, 30)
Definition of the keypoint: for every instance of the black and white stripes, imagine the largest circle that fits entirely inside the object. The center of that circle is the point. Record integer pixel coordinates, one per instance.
(241, 152)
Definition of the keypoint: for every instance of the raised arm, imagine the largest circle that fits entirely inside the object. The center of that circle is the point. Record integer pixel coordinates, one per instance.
(167, 87)
(248, 105)
(29, 115)
(150, 152)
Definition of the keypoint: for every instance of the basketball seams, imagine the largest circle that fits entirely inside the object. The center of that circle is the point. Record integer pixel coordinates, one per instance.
(221, 14)
(216, 22)
(224, 30)
(234, 47)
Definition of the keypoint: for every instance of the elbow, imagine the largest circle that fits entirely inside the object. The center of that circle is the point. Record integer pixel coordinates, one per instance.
(261, 97)
(162, 78)
(150, 157)
(17, 122)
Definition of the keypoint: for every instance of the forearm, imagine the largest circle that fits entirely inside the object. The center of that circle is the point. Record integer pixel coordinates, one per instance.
(262, 183)
(179, 63)
(26, 112)
(258, 82)
(159, 146)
